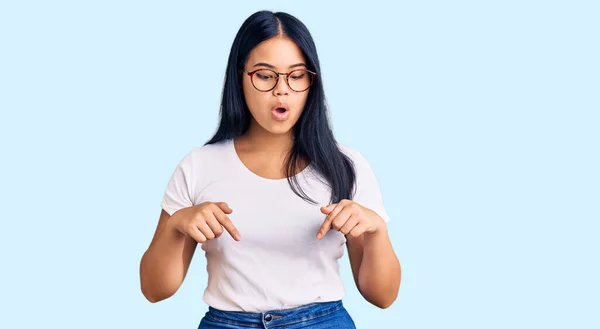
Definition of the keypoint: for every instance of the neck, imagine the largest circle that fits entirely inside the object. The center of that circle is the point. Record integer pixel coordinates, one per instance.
(261, 140)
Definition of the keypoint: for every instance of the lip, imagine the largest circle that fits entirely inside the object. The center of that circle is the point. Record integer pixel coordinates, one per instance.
(282, 105)
(280, 116)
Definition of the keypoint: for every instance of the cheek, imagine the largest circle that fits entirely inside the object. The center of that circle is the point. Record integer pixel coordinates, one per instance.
(301, 103)
(255, 99)
(250, 96)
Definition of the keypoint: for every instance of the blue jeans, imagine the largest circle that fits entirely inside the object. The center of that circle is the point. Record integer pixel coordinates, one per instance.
(323, 315)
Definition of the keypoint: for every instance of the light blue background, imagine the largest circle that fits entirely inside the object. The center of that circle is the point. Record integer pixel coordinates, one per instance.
(480, 120)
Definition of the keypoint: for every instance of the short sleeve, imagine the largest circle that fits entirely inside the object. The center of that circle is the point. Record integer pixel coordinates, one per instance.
(368, 192)
(179, 191)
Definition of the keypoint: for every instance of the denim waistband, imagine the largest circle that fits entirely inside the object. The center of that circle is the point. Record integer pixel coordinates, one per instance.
(276, 317)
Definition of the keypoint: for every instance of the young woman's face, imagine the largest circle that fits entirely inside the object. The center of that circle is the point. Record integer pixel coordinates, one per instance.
(279, 54)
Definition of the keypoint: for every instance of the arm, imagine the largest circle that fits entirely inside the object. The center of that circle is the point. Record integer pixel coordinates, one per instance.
(166, 262)
(375, 267)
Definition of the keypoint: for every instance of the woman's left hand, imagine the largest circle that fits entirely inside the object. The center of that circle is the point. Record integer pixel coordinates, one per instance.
(350, 218)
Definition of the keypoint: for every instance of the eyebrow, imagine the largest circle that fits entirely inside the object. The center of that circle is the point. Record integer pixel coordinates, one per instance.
(273, 67)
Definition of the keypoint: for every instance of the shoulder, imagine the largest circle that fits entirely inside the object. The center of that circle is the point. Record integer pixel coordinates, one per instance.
(200, 155)
(355, 155)
(200, 164)
(363, 168)
(204, 161)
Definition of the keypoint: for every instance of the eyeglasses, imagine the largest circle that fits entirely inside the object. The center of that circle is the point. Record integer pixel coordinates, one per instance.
(265, 80)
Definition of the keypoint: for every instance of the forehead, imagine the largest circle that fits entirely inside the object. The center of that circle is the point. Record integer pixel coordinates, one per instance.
(280, 52)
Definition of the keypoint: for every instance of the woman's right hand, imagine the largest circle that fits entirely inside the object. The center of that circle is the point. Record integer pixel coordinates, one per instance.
(205, 221)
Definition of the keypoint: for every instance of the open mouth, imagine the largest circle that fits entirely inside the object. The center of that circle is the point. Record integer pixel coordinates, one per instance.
(280, 113)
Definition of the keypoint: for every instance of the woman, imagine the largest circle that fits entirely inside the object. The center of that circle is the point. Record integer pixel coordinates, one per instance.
(273, 198)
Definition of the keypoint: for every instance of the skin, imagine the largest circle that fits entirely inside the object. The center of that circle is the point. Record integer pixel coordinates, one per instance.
(263, 149)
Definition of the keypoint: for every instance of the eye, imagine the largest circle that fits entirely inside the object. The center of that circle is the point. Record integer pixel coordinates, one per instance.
(298, 76)
(263, 75)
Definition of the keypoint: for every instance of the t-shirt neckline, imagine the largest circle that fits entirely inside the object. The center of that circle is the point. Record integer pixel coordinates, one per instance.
(238, 163)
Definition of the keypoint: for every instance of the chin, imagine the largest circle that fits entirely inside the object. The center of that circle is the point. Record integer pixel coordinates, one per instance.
(279, 130)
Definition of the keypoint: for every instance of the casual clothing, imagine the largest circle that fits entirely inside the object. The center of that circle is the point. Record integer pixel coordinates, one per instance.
(327, 315)
(278, 263)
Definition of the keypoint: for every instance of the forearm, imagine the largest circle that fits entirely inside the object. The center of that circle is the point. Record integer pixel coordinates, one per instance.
(164, 264)
(380, 272)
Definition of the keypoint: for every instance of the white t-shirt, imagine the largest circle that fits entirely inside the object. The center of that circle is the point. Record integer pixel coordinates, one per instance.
(278, 263)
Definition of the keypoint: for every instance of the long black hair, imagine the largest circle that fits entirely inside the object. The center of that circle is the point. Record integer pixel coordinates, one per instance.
(313, 137)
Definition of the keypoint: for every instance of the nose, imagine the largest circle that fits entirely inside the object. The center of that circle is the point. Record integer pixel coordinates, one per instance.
(281, 88)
